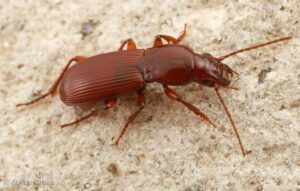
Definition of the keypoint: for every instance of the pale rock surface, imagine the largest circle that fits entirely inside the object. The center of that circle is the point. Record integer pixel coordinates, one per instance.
(168, 147)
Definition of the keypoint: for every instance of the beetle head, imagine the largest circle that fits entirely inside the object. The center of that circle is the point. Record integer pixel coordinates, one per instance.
(210, 71)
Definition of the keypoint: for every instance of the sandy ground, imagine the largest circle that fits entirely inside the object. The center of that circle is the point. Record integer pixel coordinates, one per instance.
(168, 147)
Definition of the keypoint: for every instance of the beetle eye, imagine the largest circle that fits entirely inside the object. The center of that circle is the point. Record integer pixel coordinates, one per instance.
(205, 81)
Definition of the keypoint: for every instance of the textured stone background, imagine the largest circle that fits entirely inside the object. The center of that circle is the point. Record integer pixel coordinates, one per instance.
(167, 148)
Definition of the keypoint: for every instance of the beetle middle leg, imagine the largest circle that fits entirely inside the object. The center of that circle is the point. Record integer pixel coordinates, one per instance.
(108, 104)
(173, 95)
(53, 88)
(158, 39)
(130, 44)
(141, 102)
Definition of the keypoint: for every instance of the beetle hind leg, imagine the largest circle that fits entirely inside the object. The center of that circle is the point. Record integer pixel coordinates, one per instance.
(141, 102)
(53, 88)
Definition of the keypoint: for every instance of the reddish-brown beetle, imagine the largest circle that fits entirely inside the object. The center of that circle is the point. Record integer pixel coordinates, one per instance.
(107, 76)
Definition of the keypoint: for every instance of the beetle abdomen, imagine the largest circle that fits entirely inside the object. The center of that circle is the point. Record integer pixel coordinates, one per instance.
(102, 77)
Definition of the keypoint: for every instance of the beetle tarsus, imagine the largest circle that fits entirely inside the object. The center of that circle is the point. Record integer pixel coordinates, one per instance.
(33, 101)
(170, 39)
(183, 34)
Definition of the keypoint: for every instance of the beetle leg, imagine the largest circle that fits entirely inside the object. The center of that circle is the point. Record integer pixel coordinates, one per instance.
(141, 102)
(173, 95)
(108, 104)
(130, 44)
(55, 85)
(158, 39)
(93, 113)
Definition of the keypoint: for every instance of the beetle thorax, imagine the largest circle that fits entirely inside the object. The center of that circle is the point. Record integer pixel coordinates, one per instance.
(168, 65)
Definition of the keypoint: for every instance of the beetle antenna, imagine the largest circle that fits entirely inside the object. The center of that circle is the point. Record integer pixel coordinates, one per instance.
(254, 47)
(231, 121)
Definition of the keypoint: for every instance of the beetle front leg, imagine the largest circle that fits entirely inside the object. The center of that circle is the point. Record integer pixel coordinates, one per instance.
(108, 104)
(173, 95)
(130, 44)
(141, 102)
(53, 88)
(158, 39)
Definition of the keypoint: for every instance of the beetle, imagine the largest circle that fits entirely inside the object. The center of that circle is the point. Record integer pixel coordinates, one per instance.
(105, 77)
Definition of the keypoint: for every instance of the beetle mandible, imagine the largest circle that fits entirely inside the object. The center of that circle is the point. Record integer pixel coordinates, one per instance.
(105, 77)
